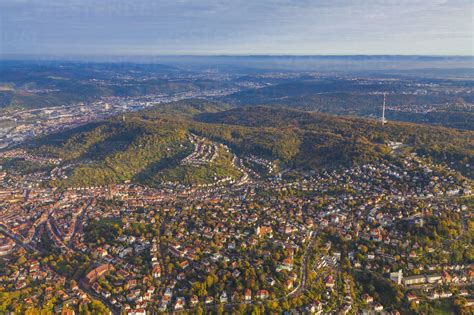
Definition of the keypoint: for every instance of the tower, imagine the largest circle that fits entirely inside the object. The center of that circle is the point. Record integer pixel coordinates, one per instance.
(383, 109)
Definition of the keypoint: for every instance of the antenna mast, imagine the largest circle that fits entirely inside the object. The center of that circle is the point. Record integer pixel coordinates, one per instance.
(383, 109)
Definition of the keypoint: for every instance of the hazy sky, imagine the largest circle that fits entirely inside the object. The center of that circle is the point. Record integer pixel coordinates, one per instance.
(152, 27)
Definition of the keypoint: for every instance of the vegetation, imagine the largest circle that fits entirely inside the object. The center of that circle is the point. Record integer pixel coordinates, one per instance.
(324, 139)
(350, 97)
(147, 146)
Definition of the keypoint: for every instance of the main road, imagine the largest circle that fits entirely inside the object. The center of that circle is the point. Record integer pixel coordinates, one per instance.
(4, 230)
(304, 267)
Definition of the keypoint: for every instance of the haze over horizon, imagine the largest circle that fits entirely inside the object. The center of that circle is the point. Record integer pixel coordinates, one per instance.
(212, 27)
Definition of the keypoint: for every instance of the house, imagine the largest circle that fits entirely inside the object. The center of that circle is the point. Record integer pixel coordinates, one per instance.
(262, 231)
(151, 290)
(183, 264)
(433, 278)
(179, 305)
(315, 308)
(248, 295)
(412, 280)
(194, 300)
(367, 298)
(469, 303)
(223, 297)
(463, 292)
(288, 262)
(132, 283)
(378, 308)
(67, 311)
(447, 278)
(330, 282)
(271, 281)
(412, 297)
(262, 294)
(168, 293)
(163, 307)
(445, 295)
(156, 271)
(433, 296)
(96, 273)
(20, 285)
(99, 253)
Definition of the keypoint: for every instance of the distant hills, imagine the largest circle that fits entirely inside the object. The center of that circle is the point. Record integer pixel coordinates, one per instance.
(28, 84)
(273, 62)
(364, 98)
(421, 89)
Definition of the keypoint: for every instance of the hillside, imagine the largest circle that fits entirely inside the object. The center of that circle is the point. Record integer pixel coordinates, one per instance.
(352, 139)
(132, 149)
(151, 146)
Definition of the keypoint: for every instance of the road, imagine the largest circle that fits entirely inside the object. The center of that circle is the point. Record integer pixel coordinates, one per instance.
(78, 223)
(13, 236)
(104, 301)
(304, 267)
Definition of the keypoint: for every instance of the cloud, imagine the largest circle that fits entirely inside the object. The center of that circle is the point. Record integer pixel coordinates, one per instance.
(222, 26)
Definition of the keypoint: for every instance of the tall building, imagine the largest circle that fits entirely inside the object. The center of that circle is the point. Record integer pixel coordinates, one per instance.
(397, 276)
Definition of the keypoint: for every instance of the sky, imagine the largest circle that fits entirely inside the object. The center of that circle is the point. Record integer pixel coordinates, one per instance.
(236, 27)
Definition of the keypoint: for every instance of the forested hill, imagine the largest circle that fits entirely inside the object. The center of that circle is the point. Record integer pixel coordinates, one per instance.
(442, 144)
(149, 146)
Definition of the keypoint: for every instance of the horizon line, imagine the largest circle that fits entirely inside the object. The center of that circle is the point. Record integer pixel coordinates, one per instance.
(72, 56)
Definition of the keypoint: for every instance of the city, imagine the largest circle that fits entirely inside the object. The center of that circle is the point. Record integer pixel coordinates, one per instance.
(236, 157)
(239, 244)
